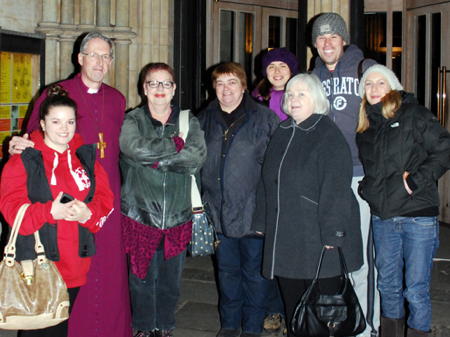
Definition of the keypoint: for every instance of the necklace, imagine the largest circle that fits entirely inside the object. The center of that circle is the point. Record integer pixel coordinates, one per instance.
(97, 116)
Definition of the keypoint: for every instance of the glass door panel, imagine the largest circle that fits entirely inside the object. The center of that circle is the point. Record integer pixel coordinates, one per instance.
(279, 28)
(235, 37)
(426, 70)
(291, 34)
(274, 32)
(245, 43)
(226, 35)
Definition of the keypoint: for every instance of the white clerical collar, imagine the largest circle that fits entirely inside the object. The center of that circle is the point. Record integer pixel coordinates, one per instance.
(92, 91)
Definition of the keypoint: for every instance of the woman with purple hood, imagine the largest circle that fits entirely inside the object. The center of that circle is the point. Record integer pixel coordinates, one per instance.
(278, 66)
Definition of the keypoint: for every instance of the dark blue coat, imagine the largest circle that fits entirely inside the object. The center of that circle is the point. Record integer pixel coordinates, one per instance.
(230, 175)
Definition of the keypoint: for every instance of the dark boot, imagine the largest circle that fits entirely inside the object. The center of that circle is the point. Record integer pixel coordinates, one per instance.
(391, 327)
(416, 333)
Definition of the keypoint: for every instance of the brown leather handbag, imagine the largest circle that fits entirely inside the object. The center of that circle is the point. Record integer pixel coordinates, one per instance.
(33, 294)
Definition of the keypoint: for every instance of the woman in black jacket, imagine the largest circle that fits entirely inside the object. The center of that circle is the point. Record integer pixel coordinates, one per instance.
(237, 131)
(404, 152)
(305, 201)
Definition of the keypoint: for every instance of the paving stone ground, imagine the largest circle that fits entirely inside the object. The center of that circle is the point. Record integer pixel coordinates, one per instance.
(197, 314)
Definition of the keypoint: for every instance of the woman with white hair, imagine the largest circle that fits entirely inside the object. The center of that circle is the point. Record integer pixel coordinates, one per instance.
(404, 151)
(305, 201)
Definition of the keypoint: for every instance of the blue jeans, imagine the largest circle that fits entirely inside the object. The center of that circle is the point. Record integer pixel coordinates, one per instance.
(405, 247)
(242, 288)
(154, 299)
(275, 303)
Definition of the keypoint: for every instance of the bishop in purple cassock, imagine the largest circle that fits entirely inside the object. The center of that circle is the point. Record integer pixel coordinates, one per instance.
(102, 306)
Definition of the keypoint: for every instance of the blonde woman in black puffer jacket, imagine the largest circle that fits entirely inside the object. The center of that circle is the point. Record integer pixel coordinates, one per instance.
(404, 151)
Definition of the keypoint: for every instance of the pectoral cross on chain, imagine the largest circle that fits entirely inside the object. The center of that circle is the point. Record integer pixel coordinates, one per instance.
(101, 145)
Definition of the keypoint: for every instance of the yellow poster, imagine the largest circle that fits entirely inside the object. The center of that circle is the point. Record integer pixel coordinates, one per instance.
(5, 111)
(3, 135)
(5, 77)
(23, 111)
(21, 78)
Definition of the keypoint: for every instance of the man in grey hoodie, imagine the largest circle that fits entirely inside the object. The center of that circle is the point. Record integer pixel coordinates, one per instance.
(339, 68)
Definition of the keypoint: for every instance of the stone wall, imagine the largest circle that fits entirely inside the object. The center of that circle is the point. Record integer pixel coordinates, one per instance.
(140, 29)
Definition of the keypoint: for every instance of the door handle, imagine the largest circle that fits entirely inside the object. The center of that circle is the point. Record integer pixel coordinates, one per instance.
(442, 95)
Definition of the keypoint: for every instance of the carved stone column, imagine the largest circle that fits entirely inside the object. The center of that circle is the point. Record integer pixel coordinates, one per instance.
(67, 12)
(121, 67)
(123, 35)
(87, 14)
(49, 11)
(65, 56)
(122, 13)
(103, 13)
(146, 32)
(67, 38)
(48, 25)
(51, 59)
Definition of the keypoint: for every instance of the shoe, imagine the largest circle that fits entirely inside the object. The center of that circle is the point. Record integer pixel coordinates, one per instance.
(273, 322)
(166, 333)
(391, 327)
(228, 333)
(143, 334)
(156, 333)
(416, 333)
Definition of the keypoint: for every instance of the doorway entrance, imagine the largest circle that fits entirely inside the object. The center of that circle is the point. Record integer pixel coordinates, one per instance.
(427, 67)
(242, 30)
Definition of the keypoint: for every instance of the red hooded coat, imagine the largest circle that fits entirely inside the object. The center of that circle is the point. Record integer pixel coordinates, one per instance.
(64, 173)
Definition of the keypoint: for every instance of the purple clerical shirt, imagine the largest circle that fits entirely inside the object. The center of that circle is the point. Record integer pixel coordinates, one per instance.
(102, 306)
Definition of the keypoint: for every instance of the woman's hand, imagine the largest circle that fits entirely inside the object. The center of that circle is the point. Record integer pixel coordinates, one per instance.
(59, 210)
(18, 144)
(405, 175)
(74, 210)
(79, 212)
(329, 247)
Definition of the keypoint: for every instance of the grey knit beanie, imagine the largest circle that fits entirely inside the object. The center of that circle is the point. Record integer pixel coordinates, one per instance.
(329, 23)
(393, 81)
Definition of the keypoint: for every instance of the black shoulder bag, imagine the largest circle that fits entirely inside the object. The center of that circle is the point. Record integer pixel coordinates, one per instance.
(321, 315)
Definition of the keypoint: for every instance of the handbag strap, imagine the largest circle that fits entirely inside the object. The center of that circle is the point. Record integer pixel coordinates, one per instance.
(39, 249)
(183, 123)
(344, 271)
(196, 200)
(10, 249)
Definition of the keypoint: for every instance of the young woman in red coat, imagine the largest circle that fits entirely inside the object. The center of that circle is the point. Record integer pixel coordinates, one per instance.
(59, 163)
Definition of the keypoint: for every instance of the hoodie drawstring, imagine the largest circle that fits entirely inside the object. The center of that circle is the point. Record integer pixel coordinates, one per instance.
(55, 165)
(80, 184)
(78, 180)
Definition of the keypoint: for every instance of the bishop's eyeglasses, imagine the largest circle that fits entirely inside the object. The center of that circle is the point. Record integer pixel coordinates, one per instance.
(95, 56)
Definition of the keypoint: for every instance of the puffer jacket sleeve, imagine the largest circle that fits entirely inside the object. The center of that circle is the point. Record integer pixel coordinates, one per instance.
(102, 203)
(143, 148)
(191, 158)
(436, 142)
